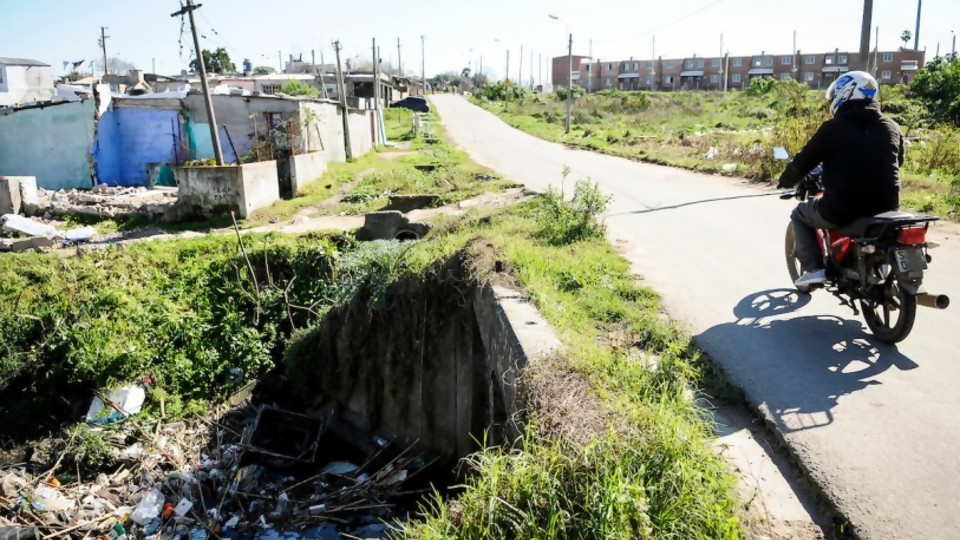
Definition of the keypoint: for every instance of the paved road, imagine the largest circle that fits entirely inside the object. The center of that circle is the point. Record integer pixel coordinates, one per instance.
(875, 425)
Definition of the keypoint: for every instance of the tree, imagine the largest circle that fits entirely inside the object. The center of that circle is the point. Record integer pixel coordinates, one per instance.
(216, 62)
(263, 70)
(905, 37)
(937, 86)
(294, 87)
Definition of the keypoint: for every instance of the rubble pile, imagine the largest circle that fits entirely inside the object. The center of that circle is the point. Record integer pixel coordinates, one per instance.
(253, 473)
(106, 202)
(32, 233)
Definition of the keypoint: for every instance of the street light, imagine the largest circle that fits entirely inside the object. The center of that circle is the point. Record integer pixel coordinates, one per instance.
(569, 69)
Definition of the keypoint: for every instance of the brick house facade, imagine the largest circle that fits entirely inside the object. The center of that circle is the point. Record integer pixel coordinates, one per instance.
(817, 70)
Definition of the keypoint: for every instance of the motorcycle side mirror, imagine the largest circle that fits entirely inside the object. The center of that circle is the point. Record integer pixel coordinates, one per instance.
(780, 154)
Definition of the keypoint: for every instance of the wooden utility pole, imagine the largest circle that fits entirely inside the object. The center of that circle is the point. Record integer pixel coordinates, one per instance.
(399, 61)
(188, 9)
(323, 77)
(342, 92)
(865, 34)
(103, 45)
(520, 68)
(423, 65)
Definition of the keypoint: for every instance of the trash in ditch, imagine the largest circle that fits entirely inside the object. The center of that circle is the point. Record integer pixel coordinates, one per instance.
(123, 403)
(244, 472)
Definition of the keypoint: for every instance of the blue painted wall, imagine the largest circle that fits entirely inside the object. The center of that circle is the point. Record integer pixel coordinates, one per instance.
(52, 143)
(133, 142)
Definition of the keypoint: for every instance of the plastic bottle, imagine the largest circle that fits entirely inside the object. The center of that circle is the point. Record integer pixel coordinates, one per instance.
(148, 508)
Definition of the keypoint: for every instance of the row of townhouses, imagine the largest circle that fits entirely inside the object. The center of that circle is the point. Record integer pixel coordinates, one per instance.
(733, 72)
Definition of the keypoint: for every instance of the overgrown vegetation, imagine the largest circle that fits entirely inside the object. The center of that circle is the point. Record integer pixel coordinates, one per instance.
(733, 133)
(293, 87)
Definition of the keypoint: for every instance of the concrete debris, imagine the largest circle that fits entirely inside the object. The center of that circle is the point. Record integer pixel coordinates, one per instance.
(199, 479)
(107, 202)
(729, 167)
(391, 225)
(26, 226)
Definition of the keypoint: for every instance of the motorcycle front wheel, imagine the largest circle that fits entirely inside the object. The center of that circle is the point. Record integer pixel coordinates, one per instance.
(793, 264)
(892, 319)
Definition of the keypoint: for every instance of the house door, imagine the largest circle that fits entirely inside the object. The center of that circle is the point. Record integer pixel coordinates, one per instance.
(282, 152)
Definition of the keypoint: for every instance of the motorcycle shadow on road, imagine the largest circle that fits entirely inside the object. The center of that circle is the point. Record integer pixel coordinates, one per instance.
(796, 369)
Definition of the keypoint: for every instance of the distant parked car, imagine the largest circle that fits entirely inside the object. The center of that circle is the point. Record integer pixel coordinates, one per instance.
(413, 103)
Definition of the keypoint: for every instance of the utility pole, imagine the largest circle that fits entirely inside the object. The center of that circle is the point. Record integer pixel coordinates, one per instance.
(796, 58)
(153, 65)
(342, 93)
(399, 61)
(520, 69)
(876, 53)
(590, 71)
(280, 61)
(953, 48)
(188, 9)
(506, 82)
(865, 33)
(916, 35)
(653, 62)
(533, 81)
(323, 77)
(721, 60)
(423, 64)
(540, 69)
(570, 79)
(103, 45)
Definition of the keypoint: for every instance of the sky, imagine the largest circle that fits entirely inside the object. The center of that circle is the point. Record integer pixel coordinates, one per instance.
(456, 33)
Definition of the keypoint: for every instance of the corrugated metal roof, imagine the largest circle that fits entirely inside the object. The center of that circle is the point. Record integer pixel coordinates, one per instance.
(21, 62)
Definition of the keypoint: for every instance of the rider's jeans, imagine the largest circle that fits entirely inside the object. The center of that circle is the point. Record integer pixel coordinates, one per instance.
(806, 220)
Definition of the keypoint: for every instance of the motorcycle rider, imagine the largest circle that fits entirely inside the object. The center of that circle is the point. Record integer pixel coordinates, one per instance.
(861, 151)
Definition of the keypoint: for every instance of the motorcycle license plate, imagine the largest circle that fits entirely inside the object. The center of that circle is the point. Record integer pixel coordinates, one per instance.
(910, 259)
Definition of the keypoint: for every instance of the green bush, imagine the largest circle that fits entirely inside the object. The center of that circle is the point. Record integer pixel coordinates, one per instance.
(581, 218)
(294, 87)
(760, 86)
(561, 93)
(937, 85)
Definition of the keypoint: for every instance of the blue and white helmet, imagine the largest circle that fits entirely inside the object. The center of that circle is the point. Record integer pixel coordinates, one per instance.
(852, 86)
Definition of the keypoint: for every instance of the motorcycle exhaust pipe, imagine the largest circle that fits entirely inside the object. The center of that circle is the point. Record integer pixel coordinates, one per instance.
(935, 301)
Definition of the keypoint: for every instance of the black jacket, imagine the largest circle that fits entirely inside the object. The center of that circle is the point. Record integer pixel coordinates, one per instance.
(861, 151)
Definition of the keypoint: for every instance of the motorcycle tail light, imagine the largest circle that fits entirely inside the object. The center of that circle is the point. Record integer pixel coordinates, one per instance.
(912, 236)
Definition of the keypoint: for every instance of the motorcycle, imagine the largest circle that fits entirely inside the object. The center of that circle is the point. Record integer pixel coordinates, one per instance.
(875, 262)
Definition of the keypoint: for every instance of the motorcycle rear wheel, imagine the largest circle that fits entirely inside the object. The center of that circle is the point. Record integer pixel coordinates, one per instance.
(790, 253)
(879, 318)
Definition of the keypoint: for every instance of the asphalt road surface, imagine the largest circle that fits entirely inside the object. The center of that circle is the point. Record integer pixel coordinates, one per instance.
(874, 425)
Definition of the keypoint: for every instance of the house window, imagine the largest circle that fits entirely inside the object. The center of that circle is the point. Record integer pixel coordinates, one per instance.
(715, 79)
(886, 75)
(688, 64)
(808, 76)
(830, 60)
(786, 60)
(842, 59)
(888, 57)
(650, 64)
(670, 64)
(636, 66)
(715, 62)
(737, 62)
(785, 77)
(650, 80)
(768, 61)
(609, 82)
(735, 78)
(271, 88)
(588, 68)
(699, 64)
(609, 67)
(668, 79)
(810, 59)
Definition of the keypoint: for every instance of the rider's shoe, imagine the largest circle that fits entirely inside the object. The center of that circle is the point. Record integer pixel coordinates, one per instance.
(818, 277)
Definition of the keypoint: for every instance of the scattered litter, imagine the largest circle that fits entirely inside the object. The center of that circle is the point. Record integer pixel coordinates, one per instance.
(712, 153)
(340, 468)
(80, 234)
(729, 167)
(204, 479)
(129, 400)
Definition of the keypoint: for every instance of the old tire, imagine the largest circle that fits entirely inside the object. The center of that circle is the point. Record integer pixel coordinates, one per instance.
(790, 253)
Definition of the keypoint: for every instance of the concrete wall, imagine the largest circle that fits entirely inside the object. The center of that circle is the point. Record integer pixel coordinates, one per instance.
(243, 116)
(322, 130)
(25, 84)
(52, 143)
(137, 140)
(243, 189)
(306, 169)
(361, 132)
(437, 364)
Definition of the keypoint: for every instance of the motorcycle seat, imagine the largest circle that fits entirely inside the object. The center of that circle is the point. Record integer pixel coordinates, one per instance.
(859, 227)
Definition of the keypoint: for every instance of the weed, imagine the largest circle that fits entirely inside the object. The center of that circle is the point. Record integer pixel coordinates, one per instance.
(581, 218)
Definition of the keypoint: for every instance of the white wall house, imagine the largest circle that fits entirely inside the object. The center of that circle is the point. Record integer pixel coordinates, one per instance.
(24, 81)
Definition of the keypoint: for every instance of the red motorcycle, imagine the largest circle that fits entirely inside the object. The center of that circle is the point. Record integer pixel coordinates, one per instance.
(876, 263)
